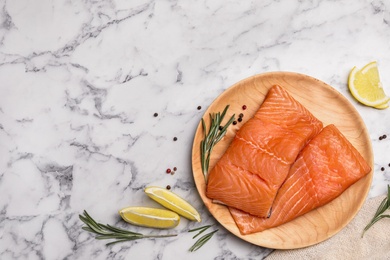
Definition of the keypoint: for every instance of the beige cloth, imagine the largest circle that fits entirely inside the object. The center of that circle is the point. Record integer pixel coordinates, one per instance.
(348, 244)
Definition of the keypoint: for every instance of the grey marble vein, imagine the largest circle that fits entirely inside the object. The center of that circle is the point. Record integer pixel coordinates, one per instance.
(81, 81)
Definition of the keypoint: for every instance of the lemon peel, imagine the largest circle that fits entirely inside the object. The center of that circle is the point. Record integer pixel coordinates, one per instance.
(365, 86)
(150, 217)
(173, 202)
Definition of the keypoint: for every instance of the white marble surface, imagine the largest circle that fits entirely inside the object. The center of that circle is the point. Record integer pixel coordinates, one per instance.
(80, 81)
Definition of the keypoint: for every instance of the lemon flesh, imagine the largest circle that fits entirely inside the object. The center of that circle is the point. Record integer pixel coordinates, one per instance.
(173, 202)
(150, 217)
(366, 87)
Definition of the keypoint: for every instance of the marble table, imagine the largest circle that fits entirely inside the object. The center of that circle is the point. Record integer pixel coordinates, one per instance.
(81, 81)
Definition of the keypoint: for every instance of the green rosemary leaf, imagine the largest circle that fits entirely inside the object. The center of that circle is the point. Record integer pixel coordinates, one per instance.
(200, 229)
(95, 227)
(219, 137)
(382, 207)
(212, 137)
(89, 219)
(373, 221)
(122, 231)
(385, 205)
(224, 111)
(87, 229)
(228, 123)
(199, 233)
(202, 241)
(91, 223)
(204, 128)
(388, 194)
(84, 219)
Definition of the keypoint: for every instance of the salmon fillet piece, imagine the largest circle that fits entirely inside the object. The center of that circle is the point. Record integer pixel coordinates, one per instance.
(325, 168)
(257, 161)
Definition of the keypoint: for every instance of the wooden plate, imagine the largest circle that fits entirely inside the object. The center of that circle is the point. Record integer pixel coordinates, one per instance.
(326, 104)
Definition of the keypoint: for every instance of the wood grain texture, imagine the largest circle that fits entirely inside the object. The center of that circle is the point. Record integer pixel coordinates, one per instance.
(326, 104)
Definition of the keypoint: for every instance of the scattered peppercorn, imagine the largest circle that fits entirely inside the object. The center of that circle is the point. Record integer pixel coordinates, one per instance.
(389, 164)
(243, 107)
(380, 137)
(155, 114)
(174, 168)
(175, 138)
(234, 122)
(168, 170)
(168, 187)
(241, 115)
(384, 136)
(239, 119)
(199, 107)
(220, 127)
(382, 169)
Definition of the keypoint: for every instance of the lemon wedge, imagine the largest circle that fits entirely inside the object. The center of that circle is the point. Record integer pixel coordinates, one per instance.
(150, 217)
(383, 106)
(173, 202)
(366, 87)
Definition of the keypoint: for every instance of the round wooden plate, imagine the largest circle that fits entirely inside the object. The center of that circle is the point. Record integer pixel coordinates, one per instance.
(326, 104)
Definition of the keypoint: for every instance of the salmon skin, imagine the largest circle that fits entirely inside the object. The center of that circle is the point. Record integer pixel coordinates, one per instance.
(257, 161)
(325, 168)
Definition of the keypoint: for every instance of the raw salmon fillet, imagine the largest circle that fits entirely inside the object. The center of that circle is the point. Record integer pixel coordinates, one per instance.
(326, 167)
(257, 161)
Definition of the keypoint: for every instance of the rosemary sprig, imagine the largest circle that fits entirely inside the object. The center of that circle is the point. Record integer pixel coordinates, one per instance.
(385, 205)
(111, 232)
(202, 240)
(211, 138)
(200, 229)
